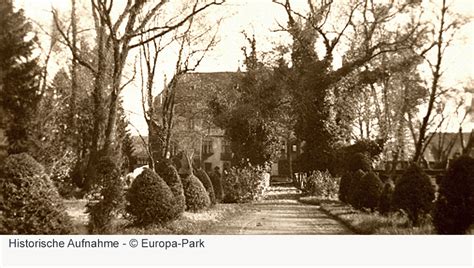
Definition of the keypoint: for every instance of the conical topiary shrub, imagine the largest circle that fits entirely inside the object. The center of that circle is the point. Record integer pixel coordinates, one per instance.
(195, 194)
(206, 182)
(29, 202)
(359, 161)
(168, 172)
(355, 191)
(385, 203)
(454, 211)
(414, 193)
(150, 199)
(371, 187)
(345, 186)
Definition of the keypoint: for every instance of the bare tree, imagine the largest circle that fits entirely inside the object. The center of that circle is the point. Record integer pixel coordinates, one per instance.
(115, 37)
(148, 67)
(367, 33)
(192, 43)
(443, 36)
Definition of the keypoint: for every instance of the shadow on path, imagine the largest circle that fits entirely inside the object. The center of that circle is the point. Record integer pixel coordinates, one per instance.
(280, 213)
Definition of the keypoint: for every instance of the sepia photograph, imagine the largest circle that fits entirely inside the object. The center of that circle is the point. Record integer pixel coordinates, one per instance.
(235, 117)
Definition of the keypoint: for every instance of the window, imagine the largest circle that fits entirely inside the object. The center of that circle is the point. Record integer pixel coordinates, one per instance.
(226, 148)
(191, 124)
(283, 147)
(207, 147)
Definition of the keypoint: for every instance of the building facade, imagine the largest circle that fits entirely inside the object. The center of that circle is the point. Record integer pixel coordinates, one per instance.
(193, 129)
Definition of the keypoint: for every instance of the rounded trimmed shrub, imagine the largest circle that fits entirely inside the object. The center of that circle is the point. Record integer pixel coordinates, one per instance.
(454, 211)
(216, 180)
(414, 193)
(29, 202)
(168, 172)
(345, 186)
(150, 199)
(370, 190)
(385, 203)
(359, 161)
(195, 193)
(355, 190)
(206, 182)
(110, 201)
(18, 166)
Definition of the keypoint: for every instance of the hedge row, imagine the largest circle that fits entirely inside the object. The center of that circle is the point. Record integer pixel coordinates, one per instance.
(413, 192)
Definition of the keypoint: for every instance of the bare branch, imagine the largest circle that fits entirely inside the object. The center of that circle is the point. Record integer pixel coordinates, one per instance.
(75, 55)
(170, 28)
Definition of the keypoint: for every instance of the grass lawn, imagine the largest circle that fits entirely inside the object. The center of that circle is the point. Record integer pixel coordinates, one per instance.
(188, 223)
(369, 222)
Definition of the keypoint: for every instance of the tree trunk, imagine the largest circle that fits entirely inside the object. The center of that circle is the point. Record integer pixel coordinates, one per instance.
(290, 160)
(74, 83)
(434, 87)
(99, 85)
(119, 57)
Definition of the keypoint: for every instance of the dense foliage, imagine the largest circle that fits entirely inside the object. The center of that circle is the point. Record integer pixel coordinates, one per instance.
(206, 182)
(414, 193)
(243, 185)
(110, 201)
(30, 204)
(345, 187)
(150, 199)
(19, 77)
(321, 184)
(359, 161)
(249, 110)
(454, 211)
(195, 193)
(370, 187)
(168, 172)
(355, 191)
(371, 148)
(385, 203)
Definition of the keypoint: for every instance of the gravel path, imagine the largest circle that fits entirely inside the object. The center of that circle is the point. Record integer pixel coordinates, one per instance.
(280, 213)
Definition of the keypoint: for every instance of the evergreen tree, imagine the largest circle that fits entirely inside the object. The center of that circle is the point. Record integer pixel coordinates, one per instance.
(124, 141)
(19, 76)
(249, 117)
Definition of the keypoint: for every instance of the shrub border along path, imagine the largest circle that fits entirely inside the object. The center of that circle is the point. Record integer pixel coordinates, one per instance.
(188, 223)
(368, 223)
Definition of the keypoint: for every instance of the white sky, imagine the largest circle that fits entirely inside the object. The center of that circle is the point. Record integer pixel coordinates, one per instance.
(258, 17)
